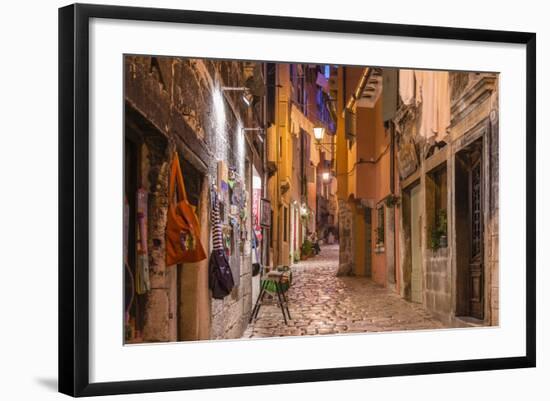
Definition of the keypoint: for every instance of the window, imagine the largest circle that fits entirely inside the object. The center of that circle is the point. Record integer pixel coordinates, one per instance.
(436, 207)
(271, 92)
(380, 234)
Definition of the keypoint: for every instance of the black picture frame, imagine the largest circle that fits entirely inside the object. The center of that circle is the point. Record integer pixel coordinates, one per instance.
(74, 194)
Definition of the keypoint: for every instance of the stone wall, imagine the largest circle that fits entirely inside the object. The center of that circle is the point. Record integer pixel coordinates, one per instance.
(346, 229)
(178, 104)
(438, 283)
(474, 117)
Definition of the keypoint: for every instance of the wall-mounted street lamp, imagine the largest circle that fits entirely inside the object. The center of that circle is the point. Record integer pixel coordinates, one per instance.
(259, 130)
(247, 96)
(318, 133)
(326, 176)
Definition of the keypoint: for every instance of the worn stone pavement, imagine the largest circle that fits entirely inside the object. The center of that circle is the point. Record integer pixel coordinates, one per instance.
(321, 303)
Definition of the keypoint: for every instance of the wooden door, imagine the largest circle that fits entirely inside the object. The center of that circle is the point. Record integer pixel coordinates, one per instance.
(416, 245)
(476, 239)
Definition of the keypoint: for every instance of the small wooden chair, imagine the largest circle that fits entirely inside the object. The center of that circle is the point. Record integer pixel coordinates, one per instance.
(278, 278)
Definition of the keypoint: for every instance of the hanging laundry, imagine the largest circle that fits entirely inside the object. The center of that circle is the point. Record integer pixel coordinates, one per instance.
(406, 86)
(433, 95)
(428, 120)
(443, 104)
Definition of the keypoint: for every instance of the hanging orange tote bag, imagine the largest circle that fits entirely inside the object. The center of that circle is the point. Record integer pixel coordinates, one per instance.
(183, 244)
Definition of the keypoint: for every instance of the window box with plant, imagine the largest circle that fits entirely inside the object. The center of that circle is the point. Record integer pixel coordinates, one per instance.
(392, 201)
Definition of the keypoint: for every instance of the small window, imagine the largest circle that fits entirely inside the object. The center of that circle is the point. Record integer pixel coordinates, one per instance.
(436, 207)
(380, 232)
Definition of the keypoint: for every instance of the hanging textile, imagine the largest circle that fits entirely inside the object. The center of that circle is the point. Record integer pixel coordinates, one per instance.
(428, 120)
(433, 87)
(256, 264)
(443, 104)
(183, 243)
(406, 86)
(217, 239)
(220, 277)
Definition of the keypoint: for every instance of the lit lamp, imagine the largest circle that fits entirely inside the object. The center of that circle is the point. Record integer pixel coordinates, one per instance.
(326, 176)
(318, 133)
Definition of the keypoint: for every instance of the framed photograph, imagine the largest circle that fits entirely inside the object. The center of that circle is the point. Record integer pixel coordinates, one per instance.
(394, 166)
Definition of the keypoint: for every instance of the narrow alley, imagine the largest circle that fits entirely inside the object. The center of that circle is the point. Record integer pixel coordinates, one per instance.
(321, 303)
(375, 189)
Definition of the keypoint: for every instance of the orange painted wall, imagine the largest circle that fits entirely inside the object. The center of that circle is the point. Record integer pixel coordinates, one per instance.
(371, 180)
(374, 177)
(365, 173)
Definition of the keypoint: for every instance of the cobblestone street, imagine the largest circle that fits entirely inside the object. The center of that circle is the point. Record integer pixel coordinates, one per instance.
(321, 303)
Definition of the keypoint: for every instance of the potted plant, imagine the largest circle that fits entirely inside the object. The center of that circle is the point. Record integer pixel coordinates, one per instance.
(307, 249)
(392, 201)
(435, 239)
(439, 232)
